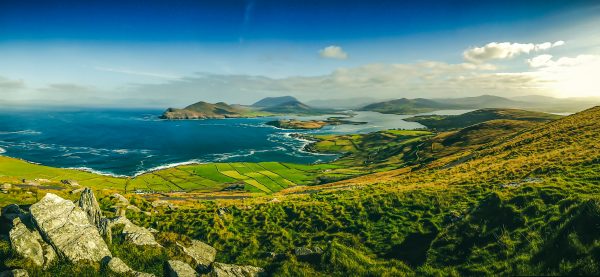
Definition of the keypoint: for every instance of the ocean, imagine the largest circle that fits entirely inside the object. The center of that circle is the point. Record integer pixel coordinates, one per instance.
(130, 142)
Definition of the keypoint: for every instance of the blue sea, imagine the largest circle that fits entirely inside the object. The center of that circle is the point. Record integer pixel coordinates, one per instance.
(130, 142)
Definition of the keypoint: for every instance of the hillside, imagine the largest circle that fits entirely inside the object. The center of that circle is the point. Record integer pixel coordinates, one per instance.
(534, 103)
(274, 101)
(502, 197)
(446, 122)
(204, 110)
(290, 107)
(407, 106)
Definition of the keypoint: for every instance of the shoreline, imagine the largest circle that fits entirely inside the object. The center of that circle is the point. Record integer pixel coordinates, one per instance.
(305, 142)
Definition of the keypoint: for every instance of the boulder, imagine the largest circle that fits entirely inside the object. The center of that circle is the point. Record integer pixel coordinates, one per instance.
(133, 233)
(11, 212)
(14, 273)
(117, 266)
(67, 228)
(120, 198)
(201, 253)
(87, 202)
(230, 270)
(26, 242)
(180, 269)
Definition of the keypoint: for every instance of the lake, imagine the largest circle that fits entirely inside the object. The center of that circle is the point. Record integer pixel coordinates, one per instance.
(129, 142)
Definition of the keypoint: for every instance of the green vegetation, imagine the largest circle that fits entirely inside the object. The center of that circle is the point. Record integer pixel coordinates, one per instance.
(202, 110)
(446, 122)
(502, 197)
(406, 106)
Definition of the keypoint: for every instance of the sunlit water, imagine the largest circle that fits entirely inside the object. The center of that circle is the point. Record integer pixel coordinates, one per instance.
(128, 142)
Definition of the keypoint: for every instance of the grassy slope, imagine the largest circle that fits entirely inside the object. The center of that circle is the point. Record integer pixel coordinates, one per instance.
(447, 122)
(523, 204)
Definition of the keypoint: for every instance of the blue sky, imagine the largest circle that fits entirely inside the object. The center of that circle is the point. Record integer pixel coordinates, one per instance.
(175, 52)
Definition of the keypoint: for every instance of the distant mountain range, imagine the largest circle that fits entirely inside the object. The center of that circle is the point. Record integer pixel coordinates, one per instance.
(536, 103)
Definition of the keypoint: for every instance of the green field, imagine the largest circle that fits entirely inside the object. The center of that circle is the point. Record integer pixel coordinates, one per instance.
(265, 177)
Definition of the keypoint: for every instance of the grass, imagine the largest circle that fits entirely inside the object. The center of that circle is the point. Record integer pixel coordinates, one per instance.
(501, 198)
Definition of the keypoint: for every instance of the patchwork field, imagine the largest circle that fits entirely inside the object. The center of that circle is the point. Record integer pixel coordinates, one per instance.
(265, 177)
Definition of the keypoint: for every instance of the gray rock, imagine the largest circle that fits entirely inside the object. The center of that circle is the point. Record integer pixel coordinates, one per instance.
(26, 242)
(67, 228)
(117, 266)
(135, 234)
(11, 212)
(49, 254)
(120, 198)
(180, 269)
(230, 270)
(202, 254)
(14, 273)
(87, 202)
(307, 251)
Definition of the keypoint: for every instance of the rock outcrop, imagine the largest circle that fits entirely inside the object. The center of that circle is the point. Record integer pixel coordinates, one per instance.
(57, 229)
(67, 228)
(180, 269)
(133, 233)
(26, 243)
(230, 270)
(201, 253)
(87, 202)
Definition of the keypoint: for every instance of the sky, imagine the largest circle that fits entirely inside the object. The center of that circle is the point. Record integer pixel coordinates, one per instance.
(173, 53)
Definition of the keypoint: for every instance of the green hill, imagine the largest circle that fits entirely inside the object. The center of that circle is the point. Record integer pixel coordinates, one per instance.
(274, 101)
(203, 110)
(290, 107)
(407, 106)
(446, 122)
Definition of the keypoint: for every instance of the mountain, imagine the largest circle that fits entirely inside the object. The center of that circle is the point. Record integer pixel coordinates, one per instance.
(346, 103)
(482, 101)
(203, 110)
(290, 107)
(274, 101)
(407, 106)
(532, 102)
(445, 122)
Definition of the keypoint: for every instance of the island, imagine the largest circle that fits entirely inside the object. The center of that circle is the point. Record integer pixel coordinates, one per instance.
(311, 124)
(265, 107)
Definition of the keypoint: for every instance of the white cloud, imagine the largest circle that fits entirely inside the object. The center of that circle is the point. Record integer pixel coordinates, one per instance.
(505, 50)
(333, 52)
(539, 61)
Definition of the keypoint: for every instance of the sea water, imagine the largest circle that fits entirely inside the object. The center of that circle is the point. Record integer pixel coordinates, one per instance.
(129, 142)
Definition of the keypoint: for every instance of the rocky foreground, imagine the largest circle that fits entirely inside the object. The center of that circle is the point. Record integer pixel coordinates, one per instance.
(55, 229)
